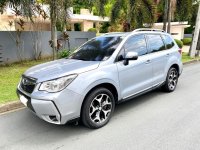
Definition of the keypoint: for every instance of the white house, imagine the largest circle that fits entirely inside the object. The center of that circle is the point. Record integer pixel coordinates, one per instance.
(177, 28)
(86, 19)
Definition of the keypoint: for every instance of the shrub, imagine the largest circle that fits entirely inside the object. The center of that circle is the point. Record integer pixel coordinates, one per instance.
(179, 43)
(64, 53)
(104, 27)
(92, 30)
(187, 41)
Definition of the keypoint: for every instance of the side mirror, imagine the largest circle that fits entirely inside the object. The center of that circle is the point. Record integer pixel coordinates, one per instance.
(130, 56)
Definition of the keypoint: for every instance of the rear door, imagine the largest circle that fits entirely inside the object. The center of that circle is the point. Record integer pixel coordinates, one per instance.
(159, 56)
(171, 49)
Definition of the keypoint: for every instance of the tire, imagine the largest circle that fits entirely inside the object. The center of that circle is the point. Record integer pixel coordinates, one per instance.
(171, 80)
(98, 108)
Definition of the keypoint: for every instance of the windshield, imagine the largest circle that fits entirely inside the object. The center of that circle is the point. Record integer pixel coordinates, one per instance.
(97, 49)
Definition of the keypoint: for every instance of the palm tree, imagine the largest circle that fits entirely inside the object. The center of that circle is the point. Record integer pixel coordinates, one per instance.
(58, 12)
(135, 12)
(24, 5)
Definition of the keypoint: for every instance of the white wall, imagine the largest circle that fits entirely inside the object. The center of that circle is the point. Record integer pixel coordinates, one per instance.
(177, 32)
(177, 29)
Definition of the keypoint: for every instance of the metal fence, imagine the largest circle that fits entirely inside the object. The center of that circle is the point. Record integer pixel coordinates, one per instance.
(27, 45)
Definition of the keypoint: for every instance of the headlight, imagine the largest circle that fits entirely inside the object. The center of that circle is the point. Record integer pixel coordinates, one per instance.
(57, 85)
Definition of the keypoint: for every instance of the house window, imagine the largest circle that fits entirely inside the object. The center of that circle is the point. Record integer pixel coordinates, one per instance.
(77, 27)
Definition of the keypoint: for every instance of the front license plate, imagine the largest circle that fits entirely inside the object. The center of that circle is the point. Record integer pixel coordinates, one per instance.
(23, 99)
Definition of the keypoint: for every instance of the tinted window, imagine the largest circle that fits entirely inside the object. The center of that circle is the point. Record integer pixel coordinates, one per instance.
(168, 41)
(136, 43)
(98, 49)
(155, 43)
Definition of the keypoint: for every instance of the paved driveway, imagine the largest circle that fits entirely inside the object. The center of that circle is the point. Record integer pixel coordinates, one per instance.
(155, 121)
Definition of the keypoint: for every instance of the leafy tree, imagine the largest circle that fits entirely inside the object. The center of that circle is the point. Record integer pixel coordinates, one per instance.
(98, 6)
(135, 13)
(183, 10)
(175, 10)
(24, 5)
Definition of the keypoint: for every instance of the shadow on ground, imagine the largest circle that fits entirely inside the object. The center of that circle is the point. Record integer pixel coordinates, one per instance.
(24, 125)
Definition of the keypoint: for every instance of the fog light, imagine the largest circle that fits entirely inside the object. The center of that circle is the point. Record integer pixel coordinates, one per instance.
(53, 118)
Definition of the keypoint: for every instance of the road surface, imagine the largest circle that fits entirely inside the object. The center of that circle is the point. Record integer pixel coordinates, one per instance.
(154, 121)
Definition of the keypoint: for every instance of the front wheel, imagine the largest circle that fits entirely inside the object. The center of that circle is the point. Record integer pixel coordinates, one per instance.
(98, 108)
(171, 80)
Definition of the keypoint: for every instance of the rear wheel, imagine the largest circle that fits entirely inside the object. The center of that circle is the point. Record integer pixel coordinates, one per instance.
(98, 108)
(171, 80)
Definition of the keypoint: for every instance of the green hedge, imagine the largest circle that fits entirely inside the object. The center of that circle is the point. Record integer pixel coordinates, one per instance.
(92, 30)
(187, 41)
(179, 43)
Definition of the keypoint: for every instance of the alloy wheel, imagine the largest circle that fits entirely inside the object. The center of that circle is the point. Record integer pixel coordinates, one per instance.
(100, 108)
(172, 79)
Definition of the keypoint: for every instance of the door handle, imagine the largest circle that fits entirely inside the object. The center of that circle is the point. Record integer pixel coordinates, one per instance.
(148, 61)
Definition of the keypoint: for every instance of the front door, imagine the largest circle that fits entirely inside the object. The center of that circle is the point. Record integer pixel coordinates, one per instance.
(137, 75)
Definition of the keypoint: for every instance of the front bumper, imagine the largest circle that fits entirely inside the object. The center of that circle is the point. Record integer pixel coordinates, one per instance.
(56, 108)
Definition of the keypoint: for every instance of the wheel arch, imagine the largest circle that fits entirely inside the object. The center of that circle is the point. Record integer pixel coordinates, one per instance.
(177, 67)
(106, 85)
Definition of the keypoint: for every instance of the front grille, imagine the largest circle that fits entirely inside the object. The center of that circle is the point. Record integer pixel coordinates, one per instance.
(27, 84)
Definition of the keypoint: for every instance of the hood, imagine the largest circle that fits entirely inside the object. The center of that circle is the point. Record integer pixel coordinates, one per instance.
(60, 68)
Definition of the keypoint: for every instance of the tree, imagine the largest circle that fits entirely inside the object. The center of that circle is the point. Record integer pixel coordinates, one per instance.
(183, 10)
(93, 5)
(19, 8)
(169, 16)
(24, 5)
(175, 10)
(196, 35)
(58, 13)
(135, 13)
(165, 15)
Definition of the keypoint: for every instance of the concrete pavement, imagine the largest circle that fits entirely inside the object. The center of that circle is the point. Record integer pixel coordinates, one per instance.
(154, 121)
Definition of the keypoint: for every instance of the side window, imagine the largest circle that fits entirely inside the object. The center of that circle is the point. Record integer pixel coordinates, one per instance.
(155, 43)
(168, 41)
(136, 43)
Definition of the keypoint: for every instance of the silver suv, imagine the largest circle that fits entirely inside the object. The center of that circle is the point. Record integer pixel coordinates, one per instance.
(104, 71)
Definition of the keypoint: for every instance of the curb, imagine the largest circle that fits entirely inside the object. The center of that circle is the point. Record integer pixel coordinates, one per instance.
(17, 105)
(191, 62)
(10, 106)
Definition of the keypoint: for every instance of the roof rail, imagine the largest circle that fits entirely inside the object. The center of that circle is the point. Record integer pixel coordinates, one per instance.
(148, 29)
(113, 33)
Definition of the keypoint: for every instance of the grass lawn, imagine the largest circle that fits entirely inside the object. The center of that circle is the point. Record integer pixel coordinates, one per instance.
(10, 76)
(186, 58)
